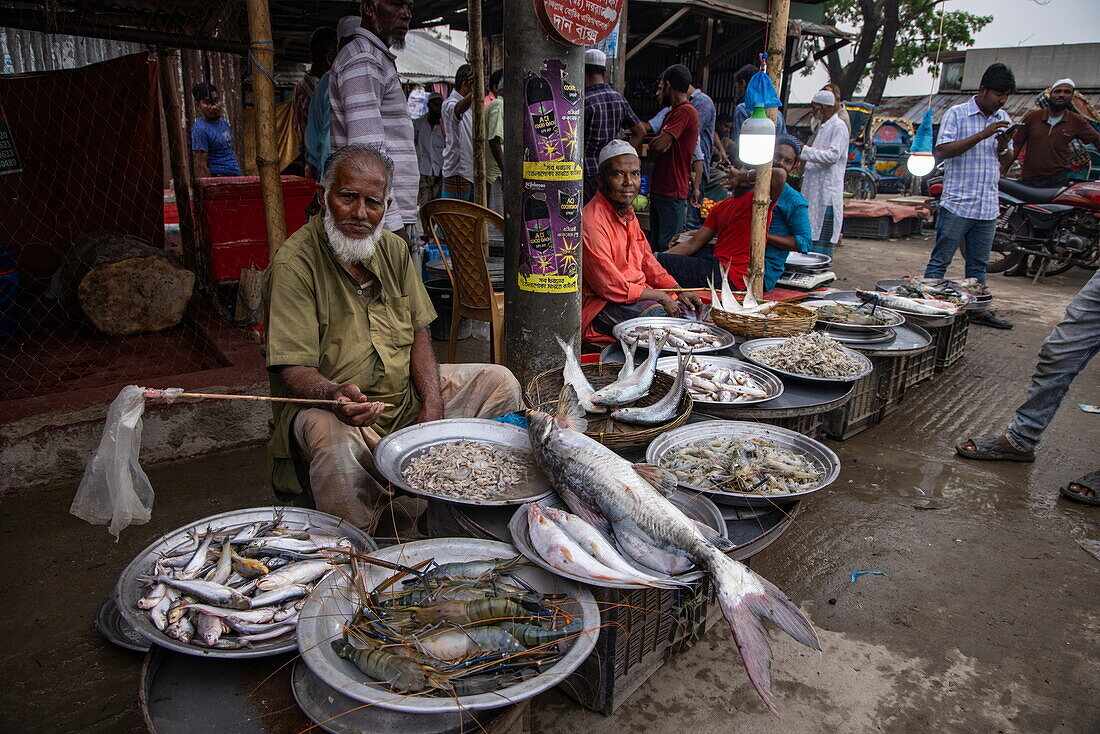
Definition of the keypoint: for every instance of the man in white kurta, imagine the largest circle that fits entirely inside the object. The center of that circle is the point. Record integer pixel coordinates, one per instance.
(823, 180)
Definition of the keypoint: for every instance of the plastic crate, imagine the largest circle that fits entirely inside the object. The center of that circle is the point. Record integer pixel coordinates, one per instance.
(640, 630)
(951, 346)
(881, 228)
(871, 397)
(920, 367)
(811, 426)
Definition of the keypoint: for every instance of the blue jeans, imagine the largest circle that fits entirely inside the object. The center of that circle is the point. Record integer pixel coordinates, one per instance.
(976, 236)
(1063, 355)
(693, 218)
(666, 220)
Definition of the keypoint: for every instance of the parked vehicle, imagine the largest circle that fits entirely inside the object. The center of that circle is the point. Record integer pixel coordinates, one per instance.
(1059, 227)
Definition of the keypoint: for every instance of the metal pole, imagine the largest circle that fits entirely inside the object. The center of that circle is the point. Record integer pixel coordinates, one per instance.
(477, 68)
(263, 95)
(777, 44)
(532, 318)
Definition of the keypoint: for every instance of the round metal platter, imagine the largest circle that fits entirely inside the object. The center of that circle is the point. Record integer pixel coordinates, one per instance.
(861, 338)
(749, 347)
(396, 450)
(110, 623)
(893, 318)
(333, 603)
(129, 590)
(784, 438)
(813, 260)
(653, 321)
(694, 506)
(767, 380)
(336, 713)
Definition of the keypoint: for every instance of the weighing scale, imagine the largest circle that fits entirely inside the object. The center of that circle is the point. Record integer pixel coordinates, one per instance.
(807, 270)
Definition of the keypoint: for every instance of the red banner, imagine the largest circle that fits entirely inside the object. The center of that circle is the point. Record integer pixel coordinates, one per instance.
(579, 22)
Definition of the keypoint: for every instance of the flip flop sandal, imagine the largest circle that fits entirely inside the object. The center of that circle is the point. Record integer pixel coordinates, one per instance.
(989, 448)
(1090, 481)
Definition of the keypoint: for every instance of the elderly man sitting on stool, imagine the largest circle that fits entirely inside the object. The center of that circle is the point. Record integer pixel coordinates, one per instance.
(622, 278)
(347, 318)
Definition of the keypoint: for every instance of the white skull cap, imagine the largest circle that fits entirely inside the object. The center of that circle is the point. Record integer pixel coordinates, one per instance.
(1066, 81)
(595, 57)
(614, 148)
(347, 25)
(824, 97)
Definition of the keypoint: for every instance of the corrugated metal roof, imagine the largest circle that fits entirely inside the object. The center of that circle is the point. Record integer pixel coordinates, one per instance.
(426, 59)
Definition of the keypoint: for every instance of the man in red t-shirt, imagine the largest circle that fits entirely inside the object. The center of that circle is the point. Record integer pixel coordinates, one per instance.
(693, 262)
(673, 148)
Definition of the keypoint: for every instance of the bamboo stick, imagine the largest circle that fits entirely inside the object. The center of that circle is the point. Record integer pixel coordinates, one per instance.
(265, 398)
(777, 44)
(263, 96)
(477, 109)
(168, 67)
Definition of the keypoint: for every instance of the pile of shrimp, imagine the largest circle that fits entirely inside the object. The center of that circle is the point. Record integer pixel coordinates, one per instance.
(455, 629)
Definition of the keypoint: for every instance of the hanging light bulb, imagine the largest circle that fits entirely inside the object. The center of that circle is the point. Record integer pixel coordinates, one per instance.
(921, 161)
(756, 142)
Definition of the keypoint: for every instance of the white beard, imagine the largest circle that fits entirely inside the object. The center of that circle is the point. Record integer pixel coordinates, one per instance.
(350, 249)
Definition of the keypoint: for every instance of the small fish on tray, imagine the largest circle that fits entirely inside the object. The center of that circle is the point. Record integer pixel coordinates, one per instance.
(844, 313)
(688, 336)
(813, 355)
(749, 466)
(717, 384)
(474, 470)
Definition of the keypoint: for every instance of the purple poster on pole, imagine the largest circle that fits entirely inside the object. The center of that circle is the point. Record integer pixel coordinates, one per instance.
(551, 182)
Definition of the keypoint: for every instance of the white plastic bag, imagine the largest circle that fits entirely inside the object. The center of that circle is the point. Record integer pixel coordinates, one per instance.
(115, 489)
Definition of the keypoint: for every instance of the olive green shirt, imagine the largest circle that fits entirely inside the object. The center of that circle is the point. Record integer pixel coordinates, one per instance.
(318, 315)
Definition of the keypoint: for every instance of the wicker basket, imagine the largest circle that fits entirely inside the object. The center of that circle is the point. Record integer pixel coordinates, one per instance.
(786, 319)
(542, 394)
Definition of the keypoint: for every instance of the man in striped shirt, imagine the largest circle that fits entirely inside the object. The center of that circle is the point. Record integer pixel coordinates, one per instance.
(369, 105)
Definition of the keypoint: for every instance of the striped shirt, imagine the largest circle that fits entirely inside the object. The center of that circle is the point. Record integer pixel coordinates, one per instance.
(369, 106)
(606, 115)
(303, 93)
(970, 180)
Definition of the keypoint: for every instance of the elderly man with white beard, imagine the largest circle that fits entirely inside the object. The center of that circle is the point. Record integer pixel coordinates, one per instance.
(347, 319)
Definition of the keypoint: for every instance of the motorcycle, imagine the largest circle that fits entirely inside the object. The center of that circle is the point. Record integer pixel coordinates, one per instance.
(1059, 227)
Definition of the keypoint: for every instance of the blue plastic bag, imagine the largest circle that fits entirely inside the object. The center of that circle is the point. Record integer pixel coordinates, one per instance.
(761, 91)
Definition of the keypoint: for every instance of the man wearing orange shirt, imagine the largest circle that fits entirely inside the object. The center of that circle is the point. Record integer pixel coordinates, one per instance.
(622, 278)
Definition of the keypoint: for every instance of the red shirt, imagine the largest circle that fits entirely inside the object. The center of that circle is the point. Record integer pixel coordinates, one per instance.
(618, 262)
(672, 171)
(732, 220)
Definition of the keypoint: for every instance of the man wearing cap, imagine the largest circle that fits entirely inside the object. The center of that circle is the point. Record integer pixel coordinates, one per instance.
(369, 104)
(622, 278)
(428, 132)
(606, 115)
(823, 180)
(1047, 133)
(317, 143)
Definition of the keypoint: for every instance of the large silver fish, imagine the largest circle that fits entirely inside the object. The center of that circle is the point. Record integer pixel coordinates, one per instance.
(634, 386)
(664, 409)
(573, 374)
(928, 307)
(630, 499)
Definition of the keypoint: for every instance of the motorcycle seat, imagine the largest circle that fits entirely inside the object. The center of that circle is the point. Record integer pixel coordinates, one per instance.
(1027, 194)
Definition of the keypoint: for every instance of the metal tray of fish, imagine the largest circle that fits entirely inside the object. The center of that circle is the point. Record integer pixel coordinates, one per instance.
(753, 345)
(129, 589)
(396, 450)
(336, 713)
(891, 318)
(666, 321)
(767, 380)
(114, 628)
(861, 338)
(814, 451)
(333, 603)
(813, 261)
(694, 506)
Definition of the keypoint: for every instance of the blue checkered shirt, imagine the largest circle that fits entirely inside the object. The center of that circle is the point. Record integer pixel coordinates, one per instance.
(970, 180)
(606, 115)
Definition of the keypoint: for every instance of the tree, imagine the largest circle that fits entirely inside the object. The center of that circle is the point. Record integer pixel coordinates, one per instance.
(895, 38)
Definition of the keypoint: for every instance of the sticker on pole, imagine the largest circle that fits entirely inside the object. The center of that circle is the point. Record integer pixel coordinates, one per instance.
(578, 22)
(551, 182)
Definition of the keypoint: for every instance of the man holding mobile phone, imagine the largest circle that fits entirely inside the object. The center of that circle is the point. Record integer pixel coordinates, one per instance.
(1048, 133)
(974, 140)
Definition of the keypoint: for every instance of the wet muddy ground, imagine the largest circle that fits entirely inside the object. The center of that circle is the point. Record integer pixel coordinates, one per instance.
(988, 617)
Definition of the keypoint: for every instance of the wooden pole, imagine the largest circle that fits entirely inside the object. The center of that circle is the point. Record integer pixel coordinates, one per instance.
(619, 82)
(263, 96)
(704, 49)
(761, 200)
(178, 153)
(477, 69)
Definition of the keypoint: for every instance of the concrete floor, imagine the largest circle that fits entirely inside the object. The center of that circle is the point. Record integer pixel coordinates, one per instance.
(987, 620)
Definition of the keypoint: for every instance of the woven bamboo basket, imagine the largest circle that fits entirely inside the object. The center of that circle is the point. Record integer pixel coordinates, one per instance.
(786, 319)
(543, 391)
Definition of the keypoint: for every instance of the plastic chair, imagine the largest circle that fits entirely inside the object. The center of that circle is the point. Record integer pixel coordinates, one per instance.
(462, 226)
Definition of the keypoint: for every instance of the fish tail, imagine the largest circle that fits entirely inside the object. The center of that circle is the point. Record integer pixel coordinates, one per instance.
(746, 599)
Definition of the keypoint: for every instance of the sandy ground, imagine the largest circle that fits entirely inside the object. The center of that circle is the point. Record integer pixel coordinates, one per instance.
(987, 619)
